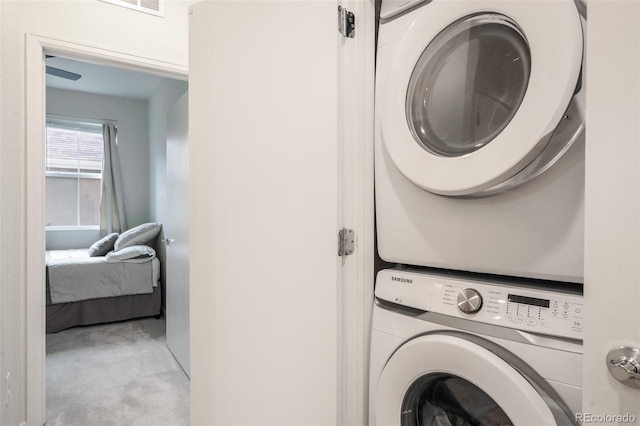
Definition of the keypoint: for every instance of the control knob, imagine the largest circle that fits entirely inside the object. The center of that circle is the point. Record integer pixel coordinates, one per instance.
(469, 301)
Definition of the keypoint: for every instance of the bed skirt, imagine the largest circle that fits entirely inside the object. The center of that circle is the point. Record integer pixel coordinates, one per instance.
(97, 311)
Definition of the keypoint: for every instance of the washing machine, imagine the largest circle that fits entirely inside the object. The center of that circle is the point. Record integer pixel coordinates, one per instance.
(479, 139)
(460, 350)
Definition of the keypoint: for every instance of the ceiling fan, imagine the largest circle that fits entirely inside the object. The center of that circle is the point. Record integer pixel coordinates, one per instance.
(61, 73)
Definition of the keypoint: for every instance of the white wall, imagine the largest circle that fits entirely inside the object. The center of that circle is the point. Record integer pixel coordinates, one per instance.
(3, 412)
(131, 116)
(91, 23)
(62, 239)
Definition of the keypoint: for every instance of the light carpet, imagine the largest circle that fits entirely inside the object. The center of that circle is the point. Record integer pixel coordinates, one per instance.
(115, 374)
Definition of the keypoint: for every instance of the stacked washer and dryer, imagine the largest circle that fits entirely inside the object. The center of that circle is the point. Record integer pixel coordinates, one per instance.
(480, 201)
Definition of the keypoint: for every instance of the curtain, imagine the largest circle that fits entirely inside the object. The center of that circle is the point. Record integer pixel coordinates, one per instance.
(112, 217)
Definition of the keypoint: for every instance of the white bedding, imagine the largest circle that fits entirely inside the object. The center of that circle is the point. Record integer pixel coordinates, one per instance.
(74, 276)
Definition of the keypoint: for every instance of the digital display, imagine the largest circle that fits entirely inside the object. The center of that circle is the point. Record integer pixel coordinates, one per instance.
(543, 303)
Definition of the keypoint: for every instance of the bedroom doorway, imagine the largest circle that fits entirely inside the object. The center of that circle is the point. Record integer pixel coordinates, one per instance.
(82, 99)
(70, 104)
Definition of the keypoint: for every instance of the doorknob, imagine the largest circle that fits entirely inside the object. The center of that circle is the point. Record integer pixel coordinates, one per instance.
(623, 363)
(167, 240)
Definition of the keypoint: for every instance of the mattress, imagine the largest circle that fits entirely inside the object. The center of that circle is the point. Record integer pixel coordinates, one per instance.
(74, 276)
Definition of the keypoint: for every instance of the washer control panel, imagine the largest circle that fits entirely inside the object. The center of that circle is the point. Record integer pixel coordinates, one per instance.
(515, 306)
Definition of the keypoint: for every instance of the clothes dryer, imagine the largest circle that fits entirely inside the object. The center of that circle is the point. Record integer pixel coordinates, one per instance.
(480, 136)
(448, 350)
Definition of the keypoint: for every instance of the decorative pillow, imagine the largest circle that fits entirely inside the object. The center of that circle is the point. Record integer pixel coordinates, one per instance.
(135, 254)
(141, 234)
(103, 245)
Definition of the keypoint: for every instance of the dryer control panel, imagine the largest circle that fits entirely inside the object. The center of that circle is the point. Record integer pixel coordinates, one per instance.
(517, 306)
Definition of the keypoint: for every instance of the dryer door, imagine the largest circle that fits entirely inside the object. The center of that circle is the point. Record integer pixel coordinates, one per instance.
(457, 379)
(476, 90)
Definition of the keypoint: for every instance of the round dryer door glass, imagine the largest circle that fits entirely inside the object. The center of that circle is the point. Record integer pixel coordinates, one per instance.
(468, 84)
(445, 399)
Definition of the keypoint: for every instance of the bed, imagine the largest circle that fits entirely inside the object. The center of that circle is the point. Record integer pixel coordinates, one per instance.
(84, 290)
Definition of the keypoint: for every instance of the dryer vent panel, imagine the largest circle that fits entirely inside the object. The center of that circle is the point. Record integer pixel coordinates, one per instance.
(154, 7)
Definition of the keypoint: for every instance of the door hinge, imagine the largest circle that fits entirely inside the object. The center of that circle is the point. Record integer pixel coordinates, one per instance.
(346, 242)
(346, 23)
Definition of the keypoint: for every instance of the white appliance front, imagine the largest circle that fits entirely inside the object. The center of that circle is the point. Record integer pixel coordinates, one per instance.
(516, 360)
(479, 137)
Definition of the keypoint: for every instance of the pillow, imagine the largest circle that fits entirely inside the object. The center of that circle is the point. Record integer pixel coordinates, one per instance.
(133, 254)
(103, 245)
(141, 234)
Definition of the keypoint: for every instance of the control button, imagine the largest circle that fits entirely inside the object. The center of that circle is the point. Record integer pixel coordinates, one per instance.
(577, 310)
(531, 321)
(511, 317)
(543, 323)
(492, 305)
(469, 301)
(521, 319)
(577, 324)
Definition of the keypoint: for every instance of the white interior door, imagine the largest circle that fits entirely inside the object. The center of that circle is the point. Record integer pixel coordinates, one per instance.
(176, 231)
(612, 205)
(264, 217)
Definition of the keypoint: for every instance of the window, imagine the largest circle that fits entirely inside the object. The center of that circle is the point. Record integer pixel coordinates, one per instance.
(153, 7)
(468, 85)
(445, 399)
(73, 173)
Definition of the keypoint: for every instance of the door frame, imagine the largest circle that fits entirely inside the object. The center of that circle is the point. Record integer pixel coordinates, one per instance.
(36, 47)
(356, 74)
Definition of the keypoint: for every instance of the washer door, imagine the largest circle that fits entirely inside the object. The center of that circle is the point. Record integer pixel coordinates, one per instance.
(447, 379)
(476, 90)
